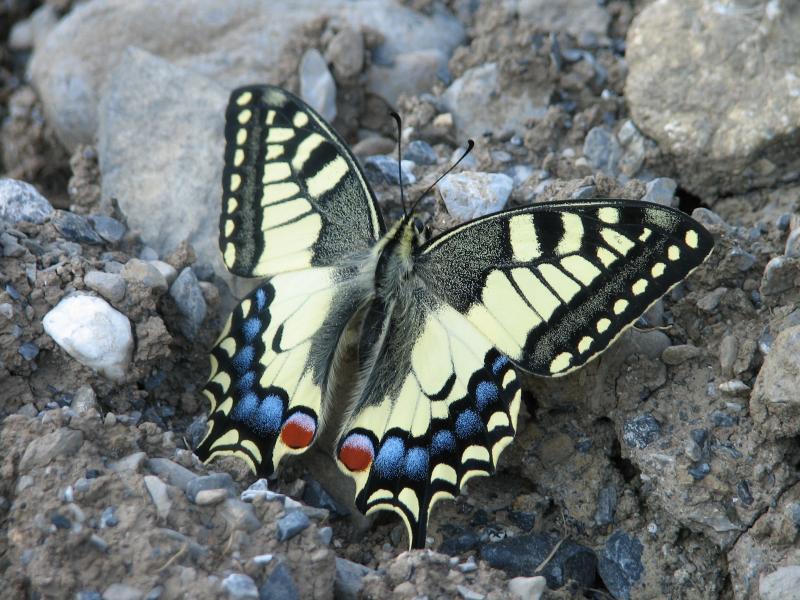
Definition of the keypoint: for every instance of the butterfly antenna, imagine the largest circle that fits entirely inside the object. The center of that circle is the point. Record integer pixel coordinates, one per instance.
(470, 146)
(399, 122)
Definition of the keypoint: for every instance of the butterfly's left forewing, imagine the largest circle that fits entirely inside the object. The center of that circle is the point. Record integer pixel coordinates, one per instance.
(438, 407)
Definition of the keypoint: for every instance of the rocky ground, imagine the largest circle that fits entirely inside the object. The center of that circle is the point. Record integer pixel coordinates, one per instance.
(668, 468)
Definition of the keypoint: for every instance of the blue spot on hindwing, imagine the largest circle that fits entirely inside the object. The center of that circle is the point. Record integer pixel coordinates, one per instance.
(261, 299)
(468, 424)
(243, 359)
(243, 409)
(498, 364)
(443, 442)
(416, 464)
(270, 414)
(390, 458)
(246, 381)
(485, 393)
(251, 327)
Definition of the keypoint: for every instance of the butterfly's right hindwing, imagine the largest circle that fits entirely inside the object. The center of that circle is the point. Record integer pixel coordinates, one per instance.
(293, 195)
(270, 367)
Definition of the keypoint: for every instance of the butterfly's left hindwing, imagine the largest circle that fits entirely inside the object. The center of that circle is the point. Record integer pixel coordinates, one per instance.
(270, 367)
(438, 407)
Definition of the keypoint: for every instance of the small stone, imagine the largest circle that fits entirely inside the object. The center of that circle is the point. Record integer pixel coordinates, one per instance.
(461, 541)
(316, 495)
(620, 564)
(602, 150)
(109, 285)
(675, 355)
(143, 272)
(41, 451)
(421, 152)
(210, 497)
(28, 351)
(728, 352)
(349, 576)
(10, 246)
(742, 259)
(129, 464)
(121, 591)
(75, 228)
(527, 588)
(473, 194)
(167, 270)
(735, 387)
(374, 144)
(641, 431)
(159, 495)
(171, 472)
(744, 493)
(606, 505)
(239, 515)
(88, 595)
(661, 190)
(722, 419)
(325, 535)
(317, 86)
(60, 521)
(190, 302)
(108, 518)
(240, 587)
(345, 53)
(469, 594)
(6, 311)
(210, 482)
(586, 191)
(779, 275)
(443, 122)
(108, 228)
(385, 169)
(710, 301)
(781, 584)
(292, 524)
(148, 254)
(93, 333)
(20, 201)
(699, 471)
(279, 585)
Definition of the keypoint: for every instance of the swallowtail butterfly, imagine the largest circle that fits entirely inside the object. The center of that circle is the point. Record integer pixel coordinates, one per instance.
(441, 325)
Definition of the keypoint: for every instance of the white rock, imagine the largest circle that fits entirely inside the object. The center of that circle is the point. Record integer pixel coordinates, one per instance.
(93, 333)
(527, 588)
(20, 201)
(167, 270)
(317, 86)
(781, 584)
(473, 194)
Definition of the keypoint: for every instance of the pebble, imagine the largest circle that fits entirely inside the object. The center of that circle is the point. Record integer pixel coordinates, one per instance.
(742, 259)
(779, 275)
(675, 355)
(62, 442)
(159, 495)
(463, 541)
(345, 53)
(586, 191)
(316, 495)
(93, 333)
(10, 246)
(292, 524)
(60, 521)
(421, 153)
(108, 228)
(144, 272)
(641, 431)
(317, 86)
(469, 594)
(606, 505)
(109, 285)
(171, 472)
(147, 253)
(374, 144)
(602, 150)
(699, 471)
(349, 576)
(20, 201)
(239, 515)
(728, 351)
(781, 584)
(121, 591)
(661, 190)
(519, 173)
(128, 464)
(325, 535)
(710, 301)
(383, 168)
(527, 588)
(190, 302)
(522, 554)
(473, 194)
(6, 311)
(734, 387)
(167, 270)
(620, 563)
(28, 351)
(744, 493)
(210, 482)
(108, 518)
(240, 587)
(88, 595)
(279, 585)
(75, 228)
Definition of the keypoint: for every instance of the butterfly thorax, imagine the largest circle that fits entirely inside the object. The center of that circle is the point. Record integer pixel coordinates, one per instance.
(394, 262)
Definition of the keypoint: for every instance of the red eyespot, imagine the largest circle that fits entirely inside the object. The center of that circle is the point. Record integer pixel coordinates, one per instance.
(357, 452)
(298, 431)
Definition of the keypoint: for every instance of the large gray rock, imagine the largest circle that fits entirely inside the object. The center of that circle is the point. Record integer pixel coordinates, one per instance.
(232, 43)
(479, 103)
(165, 176)
(775, 403)
(718, 88)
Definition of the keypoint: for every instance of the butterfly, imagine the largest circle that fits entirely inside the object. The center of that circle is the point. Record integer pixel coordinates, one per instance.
(440, 325)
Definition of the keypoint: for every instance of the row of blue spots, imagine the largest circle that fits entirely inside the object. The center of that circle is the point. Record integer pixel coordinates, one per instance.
(486, 392)
(262, 416)
(468, 424)
(243, 359)
(498, 364)
(251, 328)
(443, 442)
(393, 460)
(416, 463)
(246, 381)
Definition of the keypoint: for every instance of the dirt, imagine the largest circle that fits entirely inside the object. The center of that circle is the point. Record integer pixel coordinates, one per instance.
(80, 452)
